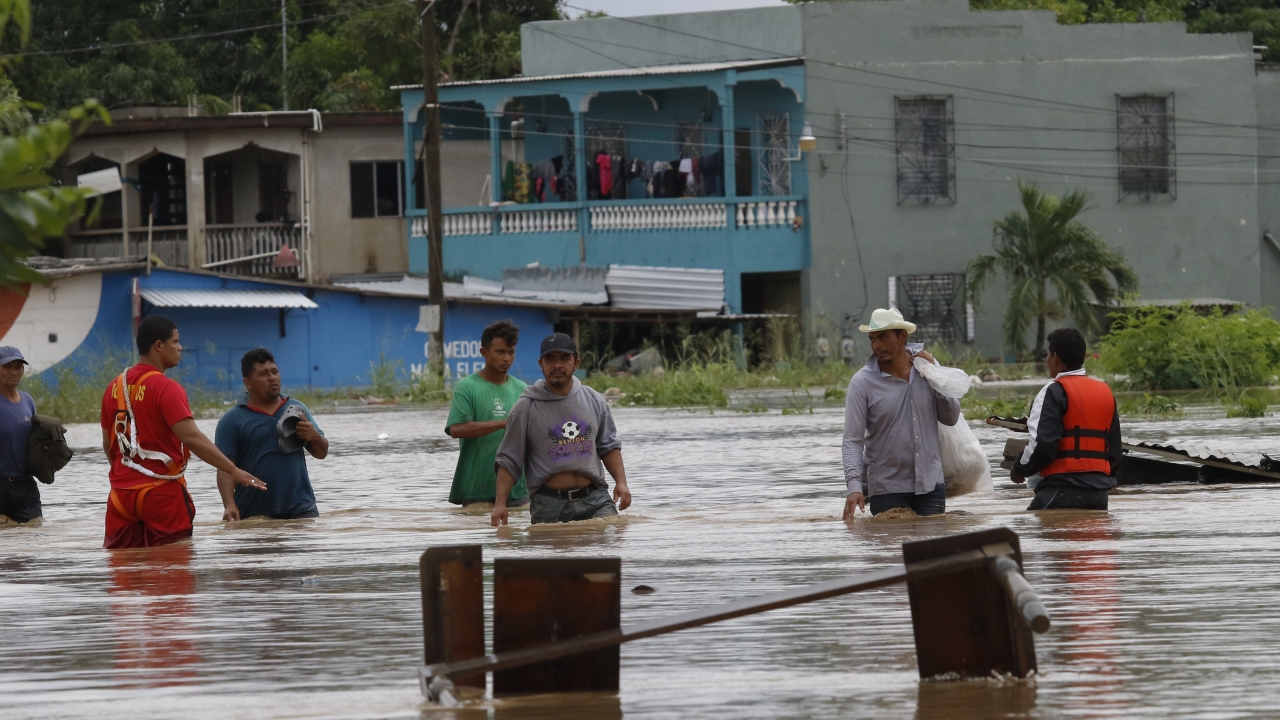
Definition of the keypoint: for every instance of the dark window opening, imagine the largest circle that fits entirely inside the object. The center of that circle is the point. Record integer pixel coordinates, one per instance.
(1144, 126)
(162, 188)
(273, 193)
(377, 189)
(926, 150)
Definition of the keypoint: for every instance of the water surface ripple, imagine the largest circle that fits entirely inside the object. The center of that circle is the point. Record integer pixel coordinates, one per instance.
(1162, 607)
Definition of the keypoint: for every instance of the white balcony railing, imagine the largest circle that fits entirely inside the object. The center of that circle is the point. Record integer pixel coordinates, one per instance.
(251, 247)
(747, 215)
(538, 221)
(658, 217)
(509, 223)
(769, 213)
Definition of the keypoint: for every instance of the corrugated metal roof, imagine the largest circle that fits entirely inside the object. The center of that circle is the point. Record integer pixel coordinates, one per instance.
(646, 288)
(183, 297)
(626, 72)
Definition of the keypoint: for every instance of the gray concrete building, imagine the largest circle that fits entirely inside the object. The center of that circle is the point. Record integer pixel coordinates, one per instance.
(927, 114)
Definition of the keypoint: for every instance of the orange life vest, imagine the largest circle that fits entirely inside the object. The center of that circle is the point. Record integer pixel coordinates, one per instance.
(1090, 411)
(126, 435)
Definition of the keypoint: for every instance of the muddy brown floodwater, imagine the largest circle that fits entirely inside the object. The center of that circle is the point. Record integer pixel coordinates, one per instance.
(1166, 606)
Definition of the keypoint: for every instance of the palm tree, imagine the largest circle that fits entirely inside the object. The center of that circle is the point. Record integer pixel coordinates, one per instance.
(1046, 244)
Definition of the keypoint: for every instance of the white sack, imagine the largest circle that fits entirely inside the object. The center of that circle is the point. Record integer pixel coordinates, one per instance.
(951, 382)
(964, 466)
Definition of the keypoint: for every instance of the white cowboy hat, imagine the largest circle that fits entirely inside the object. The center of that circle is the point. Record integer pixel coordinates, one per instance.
(889, 319)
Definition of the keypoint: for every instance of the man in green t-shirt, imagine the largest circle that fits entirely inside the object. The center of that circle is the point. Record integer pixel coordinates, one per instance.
(478, 418)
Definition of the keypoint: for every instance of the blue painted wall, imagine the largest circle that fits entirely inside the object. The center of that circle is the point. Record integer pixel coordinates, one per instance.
(334, 345)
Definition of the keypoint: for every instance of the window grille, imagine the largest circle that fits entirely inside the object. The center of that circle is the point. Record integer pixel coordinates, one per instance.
(1144, 125)
(690, 133)
(606, 138)
(924, 129)
(936, 304)
(775, 162)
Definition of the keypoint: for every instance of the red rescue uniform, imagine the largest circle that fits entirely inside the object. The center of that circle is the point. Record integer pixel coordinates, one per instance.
(143, 511)
(1090, 413)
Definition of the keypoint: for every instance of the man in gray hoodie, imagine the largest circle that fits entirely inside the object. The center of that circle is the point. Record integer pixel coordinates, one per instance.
(561, 435)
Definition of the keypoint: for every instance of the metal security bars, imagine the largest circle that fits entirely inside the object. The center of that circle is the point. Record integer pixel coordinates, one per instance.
(1144, 144)
(775, 163)
(924, 128)
(931, 303)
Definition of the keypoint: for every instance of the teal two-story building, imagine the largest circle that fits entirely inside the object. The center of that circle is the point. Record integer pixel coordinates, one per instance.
(689, 166)
(674, 141)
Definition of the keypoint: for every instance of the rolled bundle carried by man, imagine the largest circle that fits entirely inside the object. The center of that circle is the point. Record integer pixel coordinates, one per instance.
(964, 465)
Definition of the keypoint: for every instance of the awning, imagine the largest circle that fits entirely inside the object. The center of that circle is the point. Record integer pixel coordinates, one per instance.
(179, 297)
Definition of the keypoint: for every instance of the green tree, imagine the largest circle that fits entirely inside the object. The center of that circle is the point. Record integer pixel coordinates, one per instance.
(343, 54)
(31, 208)
(1045, 244)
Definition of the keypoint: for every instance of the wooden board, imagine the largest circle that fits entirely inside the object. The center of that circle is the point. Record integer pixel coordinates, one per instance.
(453, 607)
(541, 601)
(964, 623)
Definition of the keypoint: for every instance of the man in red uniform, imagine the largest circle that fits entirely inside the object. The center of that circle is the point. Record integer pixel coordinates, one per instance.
(148, 434)
(1075, 433)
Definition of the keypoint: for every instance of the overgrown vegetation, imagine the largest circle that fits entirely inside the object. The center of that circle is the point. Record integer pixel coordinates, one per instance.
(1168, 348)
(1149, 404)
(1009, 406)
(344, 55)
(1175, 348)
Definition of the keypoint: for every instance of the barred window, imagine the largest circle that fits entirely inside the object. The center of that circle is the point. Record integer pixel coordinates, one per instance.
(775, 162)
(936, 304)
(925, 144)
(1145, 147)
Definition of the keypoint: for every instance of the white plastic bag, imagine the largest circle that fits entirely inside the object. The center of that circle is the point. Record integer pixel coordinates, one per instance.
(951, 382)
(964, 466)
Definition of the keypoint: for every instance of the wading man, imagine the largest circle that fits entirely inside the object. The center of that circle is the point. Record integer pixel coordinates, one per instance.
(891, 417)
(250, 434)
(148, 434)
(19, 494)
(482, 402)
(561, 436)
(1075, 433)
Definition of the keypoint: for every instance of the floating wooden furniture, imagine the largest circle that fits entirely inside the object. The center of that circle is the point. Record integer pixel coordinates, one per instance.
(557, 623)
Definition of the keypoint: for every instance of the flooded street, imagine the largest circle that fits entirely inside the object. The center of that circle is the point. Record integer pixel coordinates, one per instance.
(1163, 607)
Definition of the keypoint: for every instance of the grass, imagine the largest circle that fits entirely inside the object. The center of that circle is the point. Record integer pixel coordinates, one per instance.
(1152, 405)
(975, 407)
(76, 397)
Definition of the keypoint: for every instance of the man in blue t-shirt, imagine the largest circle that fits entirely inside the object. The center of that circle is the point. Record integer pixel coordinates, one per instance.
(19, 494)
(249, 435)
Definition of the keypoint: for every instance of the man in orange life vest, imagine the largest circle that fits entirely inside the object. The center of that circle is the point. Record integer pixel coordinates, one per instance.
(1075, 433)
(148, 434)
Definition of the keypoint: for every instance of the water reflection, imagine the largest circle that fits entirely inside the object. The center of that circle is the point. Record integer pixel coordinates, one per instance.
(1091, 628)
(151, 613)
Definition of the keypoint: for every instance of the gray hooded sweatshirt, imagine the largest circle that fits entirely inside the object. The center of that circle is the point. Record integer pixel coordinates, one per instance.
(549, 433)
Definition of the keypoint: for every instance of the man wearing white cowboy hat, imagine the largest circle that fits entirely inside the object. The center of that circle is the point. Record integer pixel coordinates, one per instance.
(891, 417)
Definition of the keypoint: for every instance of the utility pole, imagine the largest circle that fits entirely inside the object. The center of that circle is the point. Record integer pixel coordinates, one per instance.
(431, 173)
(284, 55)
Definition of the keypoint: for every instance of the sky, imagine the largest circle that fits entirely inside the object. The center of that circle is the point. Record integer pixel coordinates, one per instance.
(629, 8)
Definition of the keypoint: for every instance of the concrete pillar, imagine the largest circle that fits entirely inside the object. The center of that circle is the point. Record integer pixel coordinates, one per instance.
(195, 201)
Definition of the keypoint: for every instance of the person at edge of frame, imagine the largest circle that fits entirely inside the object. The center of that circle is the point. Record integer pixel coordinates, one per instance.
(478, 417)
(1076, 466)
(890, 451)
(249, 435)
(148, 435)
(561, 435)
(19, 493)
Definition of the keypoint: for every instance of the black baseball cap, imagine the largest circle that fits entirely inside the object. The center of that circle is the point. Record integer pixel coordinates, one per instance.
(557, 342)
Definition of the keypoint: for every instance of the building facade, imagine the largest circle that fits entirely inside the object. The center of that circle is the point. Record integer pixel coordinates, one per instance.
(229, 191)
(926, 116)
